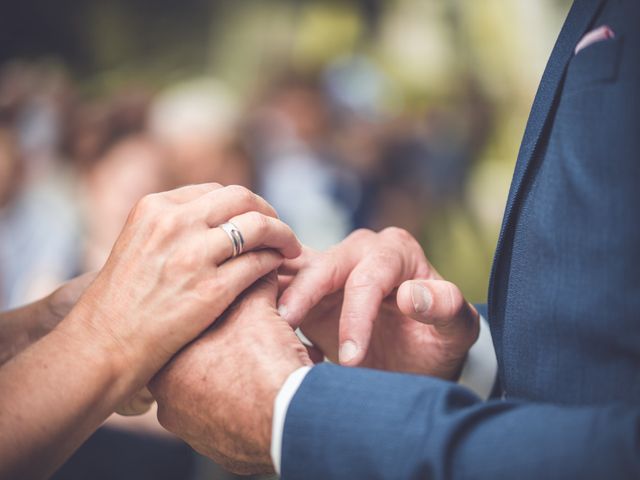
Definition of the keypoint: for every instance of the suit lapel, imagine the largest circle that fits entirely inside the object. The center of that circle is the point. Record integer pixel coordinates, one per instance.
(580, 16)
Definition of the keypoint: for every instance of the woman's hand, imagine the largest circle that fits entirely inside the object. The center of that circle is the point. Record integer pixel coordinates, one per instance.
(170, 273)
(167, 279)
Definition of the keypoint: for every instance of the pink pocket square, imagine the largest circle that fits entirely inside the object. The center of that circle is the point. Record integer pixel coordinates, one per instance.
(596, 35)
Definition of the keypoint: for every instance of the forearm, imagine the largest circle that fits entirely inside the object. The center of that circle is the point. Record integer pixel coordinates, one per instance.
(21, 327)
(54, 395)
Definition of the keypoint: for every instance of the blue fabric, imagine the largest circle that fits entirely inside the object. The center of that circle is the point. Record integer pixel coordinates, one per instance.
(364, 424)
(564, 307)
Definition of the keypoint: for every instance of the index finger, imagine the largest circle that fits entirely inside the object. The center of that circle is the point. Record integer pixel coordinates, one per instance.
(312, 284)
(370, 282)
(318, 275)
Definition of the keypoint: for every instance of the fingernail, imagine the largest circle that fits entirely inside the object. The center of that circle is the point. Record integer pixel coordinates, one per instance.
(348, 351)
(283, 311)
(421, 298)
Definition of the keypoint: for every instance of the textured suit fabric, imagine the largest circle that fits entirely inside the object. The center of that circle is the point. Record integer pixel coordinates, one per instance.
(564, 306)
(570, 329)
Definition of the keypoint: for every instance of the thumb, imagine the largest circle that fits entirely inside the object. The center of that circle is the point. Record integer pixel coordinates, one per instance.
(441, 304)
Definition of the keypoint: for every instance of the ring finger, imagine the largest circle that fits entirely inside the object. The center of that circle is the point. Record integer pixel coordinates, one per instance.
(258, 231)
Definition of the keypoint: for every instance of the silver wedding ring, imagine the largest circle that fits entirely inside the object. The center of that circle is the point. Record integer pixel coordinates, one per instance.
(237, 241)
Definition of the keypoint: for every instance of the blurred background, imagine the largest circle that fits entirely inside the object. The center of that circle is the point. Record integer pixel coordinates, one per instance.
(342, 114)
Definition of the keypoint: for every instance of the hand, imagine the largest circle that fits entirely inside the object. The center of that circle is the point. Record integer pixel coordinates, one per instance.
(375, 301)
(218, 393)
(169, 275)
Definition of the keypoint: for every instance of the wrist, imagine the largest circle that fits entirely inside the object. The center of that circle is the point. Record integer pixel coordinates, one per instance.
(101, 349)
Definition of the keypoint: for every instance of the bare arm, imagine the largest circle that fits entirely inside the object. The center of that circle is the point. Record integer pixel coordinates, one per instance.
(23, 326)
(19, 328)
(55, 394)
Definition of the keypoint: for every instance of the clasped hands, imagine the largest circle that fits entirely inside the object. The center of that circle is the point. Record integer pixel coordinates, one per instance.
(213, 336)
(371, 301)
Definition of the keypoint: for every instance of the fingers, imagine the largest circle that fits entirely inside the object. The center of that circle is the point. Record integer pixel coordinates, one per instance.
(219, 205)
(283, 281)
(369, 267)
(320, 278)
(369, 283)
(438, 303)
(258, 231)
(190, 192)
(294, 265)
(238, 274)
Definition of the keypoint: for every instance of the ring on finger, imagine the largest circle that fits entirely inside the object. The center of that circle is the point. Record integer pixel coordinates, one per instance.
(234, 234)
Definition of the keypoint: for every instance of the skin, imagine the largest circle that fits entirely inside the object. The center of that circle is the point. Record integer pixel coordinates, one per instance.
(218, 394)
(168, 278)
(23, 326)
(366, 293)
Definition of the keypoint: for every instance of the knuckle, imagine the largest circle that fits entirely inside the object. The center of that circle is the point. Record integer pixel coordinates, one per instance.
(397, 234)
(187, 259)
(259, 222)
(386, 258)
(165, 225)
(146, 206)
(242, 194)
(262, 223)
(363, 278)
(361, 234)
(214, 285)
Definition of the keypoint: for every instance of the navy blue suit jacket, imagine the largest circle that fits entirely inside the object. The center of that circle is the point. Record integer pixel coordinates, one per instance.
(564, 307)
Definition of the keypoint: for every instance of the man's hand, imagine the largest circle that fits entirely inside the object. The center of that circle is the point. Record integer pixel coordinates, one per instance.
(218, 393)
(375, 301)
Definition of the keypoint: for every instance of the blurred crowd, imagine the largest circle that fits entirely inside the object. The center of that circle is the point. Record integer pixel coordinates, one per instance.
(317, 145)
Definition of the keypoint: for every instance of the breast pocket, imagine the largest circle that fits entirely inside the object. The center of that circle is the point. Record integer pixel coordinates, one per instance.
(594, 65)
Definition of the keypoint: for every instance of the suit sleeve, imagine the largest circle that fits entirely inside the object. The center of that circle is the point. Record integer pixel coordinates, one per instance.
(348, 423)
